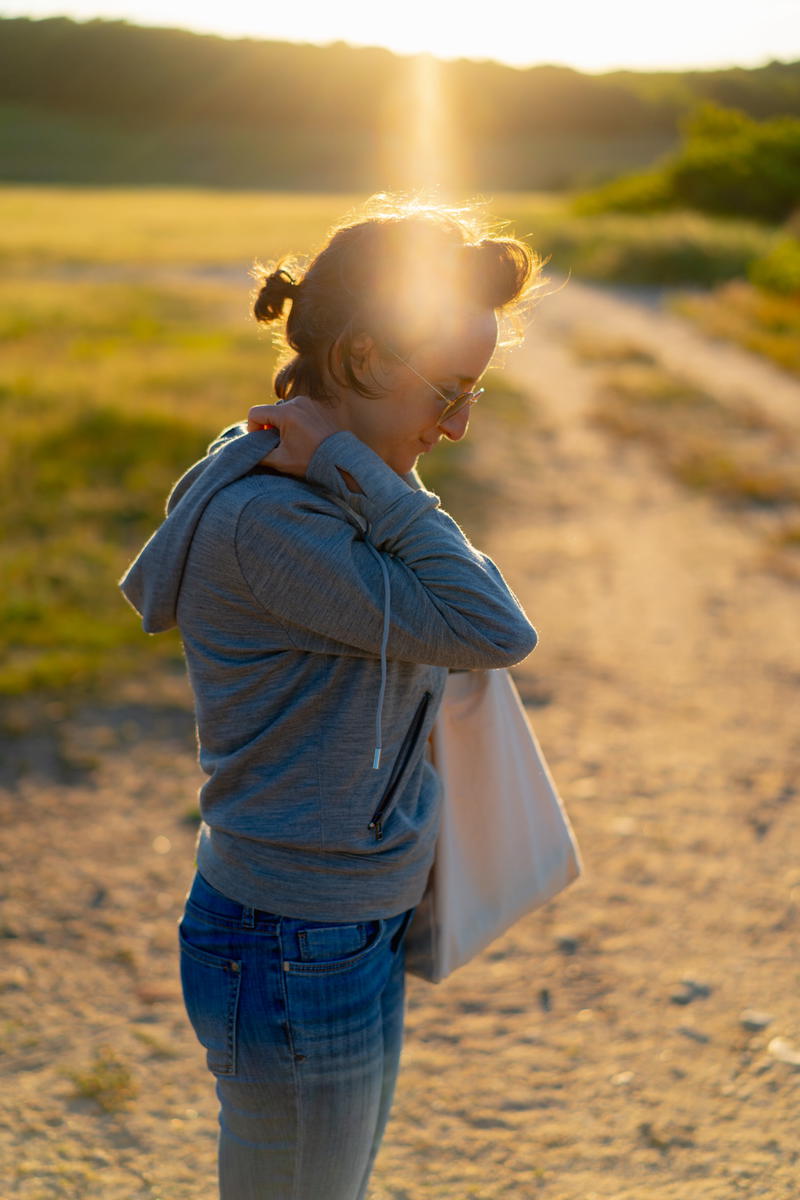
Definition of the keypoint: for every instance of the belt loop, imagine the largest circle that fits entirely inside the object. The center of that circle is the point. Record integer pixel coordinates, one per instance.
(248, 917)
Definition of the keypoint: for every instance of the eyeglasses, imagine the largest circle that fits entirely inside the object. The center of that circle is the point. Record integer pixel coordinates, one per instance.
(452, 405)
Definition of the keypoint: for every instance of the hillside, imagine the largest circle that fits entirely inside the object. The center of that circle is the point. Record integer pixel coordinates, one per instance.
(107, 102)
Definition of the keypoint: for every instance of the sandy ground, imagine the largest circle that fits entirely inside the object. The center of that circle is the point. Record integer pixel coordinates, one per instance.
(607, 1047)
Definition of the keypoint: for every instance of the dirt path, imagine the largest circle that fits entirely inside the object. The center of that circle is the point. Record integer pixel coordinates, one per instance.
(640, 315)
(570, 1062)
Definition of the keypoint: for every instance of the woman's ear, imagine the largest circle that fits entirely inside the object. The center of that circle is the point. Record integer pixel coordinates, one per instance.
(356, 347)
(369, 365)
(364, 359)
(362, 348)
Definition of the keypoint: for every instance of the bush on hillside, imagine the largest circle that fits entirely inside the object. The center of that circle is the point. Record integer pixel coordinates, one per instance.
(667, 249)
(779, 269)
(729, 165)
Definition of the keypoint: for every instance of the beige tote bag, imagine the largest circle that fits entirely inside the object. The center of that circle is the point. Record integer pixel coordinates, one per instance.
(505, 845)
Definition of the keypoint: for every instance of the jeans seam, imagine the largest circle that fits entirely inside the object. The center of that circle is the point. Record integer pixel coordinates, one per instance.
(299, 1147)
(234, 993)
(231, 969)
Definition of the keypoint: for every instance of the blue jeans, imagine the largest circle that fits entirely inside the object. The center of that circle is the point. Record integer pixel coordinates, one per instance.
(302, 1023)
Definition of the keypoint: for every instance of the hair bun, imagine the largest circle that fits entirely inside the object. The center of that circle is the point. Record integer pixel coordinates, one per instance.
(276, 289)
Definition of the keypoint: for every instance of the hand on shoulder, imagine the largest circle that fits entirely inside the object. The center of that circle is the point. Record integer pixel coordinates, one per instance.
(302, 424)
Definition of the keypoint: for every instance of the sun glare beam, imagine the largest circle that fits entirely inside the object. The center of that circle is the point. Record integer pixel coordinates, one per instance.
(427, 160)
(422, 145)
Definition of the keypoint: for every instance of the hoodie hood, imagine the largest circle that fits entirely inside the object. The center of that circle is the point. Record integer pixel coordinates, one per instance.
(152, 582)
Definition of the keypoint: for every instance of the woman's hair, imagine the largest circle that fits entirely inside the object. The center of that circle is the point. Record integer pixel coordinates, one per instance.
(402, 273)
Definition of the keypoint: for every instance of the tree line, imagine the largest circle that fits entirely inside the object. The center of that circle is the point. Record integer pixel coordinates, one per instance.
(106, 101)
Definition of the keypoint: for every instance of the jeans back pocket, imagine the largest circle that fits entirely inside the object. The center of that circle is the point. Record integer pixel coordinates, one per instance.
(211, 986)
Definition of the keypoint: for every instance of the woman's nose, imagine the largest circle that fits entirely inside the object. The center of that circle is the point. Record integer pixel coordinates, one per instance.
(456, 426)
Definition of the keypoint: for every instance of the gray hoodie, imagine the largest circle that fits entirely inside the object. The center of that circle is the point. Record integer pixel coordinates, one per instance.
(318, 626)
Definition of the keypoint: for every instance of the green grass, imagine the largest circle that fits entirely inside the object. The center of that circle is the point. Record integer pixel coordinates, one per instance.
(45, 227)
(663, 249)
(107, 392)
(42, 228)
(107, 1080)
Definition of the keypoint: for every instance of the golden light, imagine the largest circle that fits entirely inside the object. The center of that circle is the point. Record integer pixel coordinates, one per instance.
(422, 152)
(430, 138)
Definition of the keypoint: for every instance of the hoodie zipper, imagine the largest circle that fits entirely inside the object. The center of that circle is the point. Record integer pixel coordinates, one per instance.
(403, 757)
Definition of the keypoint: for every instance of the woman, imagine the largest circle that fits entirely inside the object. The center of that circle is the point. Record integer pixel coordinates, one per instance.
(321, 592)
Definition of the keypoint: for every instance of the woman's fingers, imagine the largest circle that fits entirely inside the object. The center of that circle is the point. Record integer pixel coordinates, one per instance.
(260, 417)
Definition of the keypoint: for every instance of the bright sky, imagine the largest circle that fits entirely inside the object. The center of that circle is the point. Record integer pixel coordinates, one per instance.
(591, 35)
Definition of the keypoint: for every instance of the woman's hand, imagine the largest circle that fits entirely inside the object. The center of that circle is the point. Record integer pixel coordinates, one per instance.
(301, 423)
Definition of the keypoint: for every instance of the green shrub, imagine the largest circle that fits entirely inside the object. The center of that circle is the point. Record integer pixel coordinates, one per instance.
(728, 164)
(665, 249)
(644, 191)
(779, 269)
(733, 165)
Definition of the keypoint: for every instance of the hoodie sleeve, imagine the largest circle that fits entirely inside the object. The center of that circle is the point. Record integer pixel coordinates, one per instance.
(315, 572)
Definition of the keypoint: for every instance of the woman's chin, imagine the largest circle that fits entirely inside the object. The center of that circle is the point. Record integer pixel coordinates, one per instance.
(401, 464)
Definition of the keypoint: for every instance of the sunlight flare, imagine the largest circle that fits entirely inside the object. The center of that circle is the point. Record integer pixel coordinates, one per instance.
(422, 147)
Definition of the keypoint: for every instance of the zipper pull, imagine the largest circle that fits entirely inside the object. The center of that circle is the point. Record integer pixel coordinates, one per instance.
(377, 826)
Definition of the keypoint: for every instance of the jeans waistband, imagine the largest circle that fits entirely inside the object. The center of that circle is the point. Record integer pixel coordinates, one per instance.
(221, 910)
